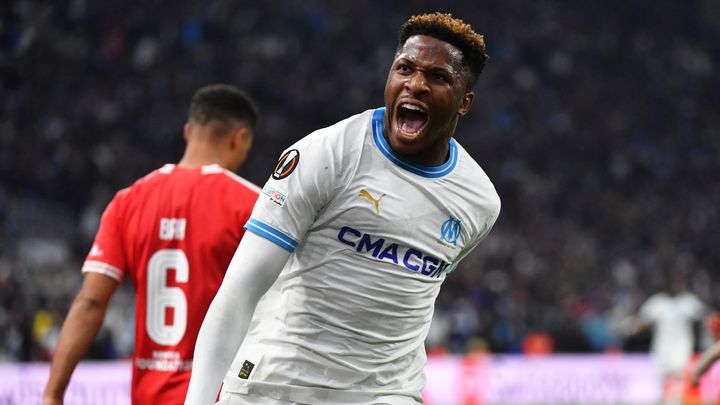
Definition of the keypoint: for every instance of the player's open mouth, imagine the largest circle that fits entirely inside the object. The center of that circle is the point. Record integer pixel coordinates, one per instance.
(410, 119)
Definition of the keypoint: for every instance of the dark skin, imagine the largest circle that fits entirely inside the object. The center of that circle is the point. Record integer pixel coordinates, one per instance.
(427, 75)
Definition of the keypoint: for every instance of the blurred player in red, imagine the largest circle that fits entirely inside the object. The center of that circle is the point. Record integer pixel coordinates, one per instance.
(173, 232)
(711, 354)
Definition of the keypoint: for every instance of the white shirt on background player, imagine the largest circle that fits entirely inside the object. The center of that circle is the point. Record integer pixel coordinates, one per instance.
(672, 318)
(372, 237)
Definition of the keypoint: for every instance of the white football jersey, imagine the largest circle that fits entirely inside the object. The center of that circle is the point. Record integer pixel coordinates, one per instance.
(372, 238)
(672, 318)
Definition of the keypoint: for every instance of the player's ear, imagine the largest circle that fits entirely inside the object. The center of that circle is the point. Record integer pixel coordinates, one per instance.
(239, 137)
(186, 131)
(466, 103)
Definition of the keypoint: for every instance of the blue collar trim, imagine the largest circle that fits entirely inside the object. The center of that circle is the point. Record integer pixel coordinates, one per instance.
(425, 171)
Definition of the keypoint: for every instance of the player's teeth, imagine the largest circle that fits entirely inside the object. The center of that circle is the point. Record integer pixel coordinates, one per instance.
(412, 107)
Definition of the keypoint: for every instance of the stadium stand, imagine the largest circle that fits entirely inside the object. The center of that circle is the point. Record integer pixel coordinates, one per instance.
(597, 121)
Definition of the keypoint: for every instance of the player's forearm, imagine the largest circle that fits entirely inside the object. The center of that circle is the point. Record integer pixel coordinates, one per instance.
(707, 359)
(220, 336)
(78, 332)
(254, 268)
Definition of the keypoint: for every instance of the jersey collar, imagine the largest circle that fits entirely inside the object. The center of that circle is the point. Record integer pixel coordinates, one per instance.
(425, 171)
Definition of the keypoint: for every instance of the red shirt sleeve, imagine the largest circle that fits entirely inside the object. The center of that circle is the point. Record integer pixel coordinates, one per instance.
(106, 255)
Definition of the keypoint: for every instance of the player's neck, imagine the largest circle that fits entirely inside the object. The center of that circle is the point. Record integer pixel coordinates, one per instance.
(200, 154)
(194, 160)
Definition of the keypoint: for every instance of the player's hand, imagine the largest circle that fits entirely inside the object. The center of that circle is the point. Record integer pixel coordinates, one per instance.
(695, 377)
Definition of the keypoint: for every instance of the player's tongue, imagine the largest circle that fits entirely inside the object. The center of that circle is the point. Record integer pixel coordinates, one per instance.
(411, 120)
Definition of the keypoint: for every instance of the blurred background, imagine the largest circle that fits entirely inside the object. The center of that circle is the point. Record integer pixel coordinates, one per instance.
(598, 122)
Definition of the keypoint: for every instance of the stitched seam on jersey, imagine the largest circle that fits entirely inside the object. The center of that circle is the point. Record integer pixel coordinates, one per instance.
(424, 171)
(102, 268)
(272, 234)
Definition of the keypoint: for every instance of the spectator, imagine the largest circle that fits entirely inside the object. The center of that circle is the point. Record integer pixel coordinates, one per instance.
(602, 139)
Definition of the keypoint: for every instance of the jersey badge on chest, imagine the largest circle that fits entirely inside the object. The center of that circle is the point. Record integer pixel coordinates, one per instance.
(450, 231)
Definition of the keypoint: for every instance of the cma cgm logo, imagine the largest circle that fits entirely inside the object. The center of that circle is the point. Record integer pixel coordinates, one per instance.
(385, 251)
(450, 230)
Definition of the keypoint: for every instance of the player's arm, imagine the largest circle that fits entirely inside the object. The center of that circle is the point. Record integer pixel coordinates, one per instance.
(643, 321)
(708, 358)
(639, 326)
(81, 325)
(253, 269)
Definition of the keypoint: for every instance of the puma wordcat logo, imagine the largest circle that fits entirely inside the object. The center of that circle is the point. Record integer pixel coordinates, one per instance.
(376, 202)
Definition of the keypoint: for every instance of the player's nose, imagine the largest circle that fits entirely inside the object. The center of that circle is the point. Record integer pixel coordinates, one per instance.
(417, 84)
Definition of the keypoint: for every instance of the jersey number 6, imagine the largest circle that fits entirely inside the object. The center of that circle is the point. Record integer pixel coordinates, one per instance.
(160, 297)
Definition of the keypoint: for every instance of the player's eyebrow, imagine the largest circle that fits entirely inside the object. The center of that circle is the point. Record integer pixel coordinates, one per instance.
(404, 59)
(447, 67)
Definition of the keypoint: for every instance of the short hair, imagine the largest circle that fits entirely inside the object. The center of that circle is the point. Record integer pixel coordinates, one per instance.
(453, 31)
(224, 105)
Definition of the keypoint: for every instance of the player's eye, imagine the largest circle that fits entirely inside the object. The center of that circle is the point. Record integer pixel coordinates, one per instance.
(440, 77)
(402, 68)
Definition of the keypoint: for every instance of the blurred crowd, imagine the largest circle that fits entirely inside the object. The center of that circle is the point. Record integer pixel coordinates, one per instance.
(598, 122)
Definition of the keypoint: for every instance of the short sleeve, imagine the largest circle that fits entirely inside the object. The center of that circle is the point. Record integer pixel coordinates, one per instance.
(475, 241)
(304, 180)
(648, 310)
(696, 309)
(106, 255)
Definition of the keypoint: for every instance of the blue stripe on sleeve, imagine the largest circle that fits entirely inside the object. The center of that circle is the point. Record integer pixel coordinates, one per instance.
(271, 234)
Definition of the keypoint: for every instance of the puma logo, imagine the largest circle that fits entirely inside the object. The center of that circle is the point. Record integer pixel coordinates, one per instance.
(376, 203)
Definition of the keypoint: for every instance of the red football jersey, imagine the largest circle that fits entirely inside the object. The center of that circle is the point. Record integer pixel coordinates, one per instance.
(173, 232)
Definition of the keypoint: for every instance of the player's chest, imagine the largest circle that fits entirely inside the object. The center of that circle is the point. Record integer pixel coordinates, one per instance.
(420, 216)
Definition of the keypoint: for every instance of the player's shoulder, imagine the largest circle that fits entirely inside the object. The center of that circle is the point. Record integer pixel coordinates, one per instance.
(657, 299)
(214, 181)
(354, 122)
(173, 175)
(139, 185)
(472, 175)
(689, 298)
(469, 165)
(337, 137)
(153, 176)
(233, 181)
